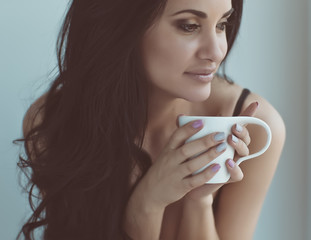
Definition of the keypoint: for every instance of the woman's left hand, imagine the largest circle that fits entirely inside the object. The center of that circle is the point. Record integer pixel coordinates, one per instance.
(239, 140)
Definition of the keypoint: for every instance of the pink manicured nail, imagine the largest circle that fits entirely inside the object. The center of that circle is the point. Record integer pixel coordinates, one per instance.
(231, 163)
(215, 168)
(197, 124)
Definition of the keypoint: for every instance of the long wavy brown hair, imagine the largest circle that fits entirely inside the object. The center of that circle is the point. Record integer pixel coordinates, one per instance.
(81, 155)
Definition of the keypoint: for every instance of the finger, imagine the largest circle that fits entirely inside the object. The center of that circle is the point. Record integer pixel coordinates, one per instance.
(250, 110)
(241, 133)
(181, 134)
(240, 146)
(234, 170)
(201, 178)
(198, 146)
(193, 165)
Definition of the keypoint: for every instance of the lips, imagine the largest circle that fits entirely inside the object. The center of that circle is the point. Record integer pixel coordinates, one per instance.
(202, 71)
(202, 75)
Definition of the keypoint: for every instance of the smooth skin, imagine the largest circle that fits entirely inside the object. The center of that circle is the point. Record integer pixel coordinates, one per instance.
(169, 203)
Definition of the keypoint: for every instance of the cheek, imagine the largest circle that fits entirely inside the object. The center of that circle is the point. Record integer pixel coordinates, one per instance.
(167, 53)
(224, 46)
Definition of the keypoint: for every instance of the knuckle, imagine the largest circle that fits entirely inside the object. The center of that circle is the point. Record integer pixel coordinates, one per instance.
(241, 144)
(206, 141)
(241, 148)
(190, 184)
(174, 135)
(169, 147)
(190, 168)
(212, 154)
(179, 137)
(207, 176)
(183, 152)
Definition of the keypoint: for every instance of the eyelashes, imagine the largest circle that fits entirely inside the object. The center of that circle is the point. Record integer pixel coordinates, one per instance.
(191, 28)
(222, 26)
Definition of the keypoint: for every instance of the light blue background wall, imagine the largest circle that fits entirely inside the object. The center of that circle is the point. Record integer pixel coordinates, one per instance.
(27, 42)
(309, 119)
(270, 58)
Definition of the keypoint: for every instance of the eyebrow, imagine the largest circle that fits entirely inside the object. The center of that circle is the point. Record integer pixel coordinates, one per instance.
(201, 14)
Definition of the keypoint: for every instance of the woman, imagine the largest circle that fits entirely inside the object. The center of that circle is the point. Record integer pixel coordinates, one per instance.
(103, 145)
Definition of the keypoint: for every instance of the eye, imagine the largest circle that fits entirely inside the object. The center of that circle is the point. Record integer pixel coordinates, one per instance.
(222, 26)
(189, 27)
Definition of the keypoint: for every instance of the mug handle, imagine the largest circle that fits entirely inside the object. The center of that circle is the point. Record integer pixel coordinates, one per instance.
(252, 120)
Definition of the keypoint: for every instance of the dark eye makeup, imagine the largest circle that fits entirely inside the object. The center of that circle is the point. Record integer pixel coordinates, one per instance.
(193, 27)
(187, 27)
(222, 26)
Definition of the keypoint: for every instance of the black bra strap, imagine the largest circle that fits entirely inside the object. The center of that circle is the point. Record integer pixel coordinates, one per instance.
(239, 104)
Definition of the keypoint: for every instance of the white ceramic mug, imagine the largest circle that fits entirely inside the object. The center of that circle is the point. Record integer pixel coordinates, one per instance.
(224, 124)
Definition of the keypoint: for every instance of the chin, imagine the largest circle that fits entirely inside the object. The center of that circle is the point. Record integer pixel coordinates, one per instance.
(198, 97)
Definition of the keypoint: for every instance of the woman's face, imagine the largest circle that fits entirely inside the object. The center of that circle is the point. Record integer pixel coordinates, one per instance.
(185, 46)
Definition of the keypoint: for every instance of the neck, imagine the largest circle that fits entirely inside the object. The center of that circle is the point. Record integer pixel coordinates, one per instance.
(162, 115)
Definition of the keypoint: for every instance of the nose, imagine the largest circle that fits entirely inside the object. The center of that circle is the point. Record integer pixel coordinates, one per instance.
(212, 47)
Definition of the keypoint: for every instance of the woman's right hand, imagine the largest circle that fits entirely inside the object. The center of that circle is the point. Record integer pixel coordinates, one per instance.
(169, 178)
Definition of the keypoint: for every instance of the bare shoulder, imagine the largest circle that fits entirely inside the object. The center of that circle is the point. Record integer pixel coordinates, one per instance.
(247, 196)
(34, 114)
(267, 112)
(226, 95)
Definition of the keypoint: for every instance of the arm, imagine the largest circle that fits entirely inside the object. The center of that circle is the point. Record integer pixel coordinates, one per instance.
(240, 203)
(142, 219)
(197, 222)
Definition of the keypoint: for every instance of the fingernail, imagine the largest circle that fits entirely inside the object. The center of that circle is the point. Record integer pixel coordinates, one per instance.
(219, 136)
(216, 167)
(231, 163)
(234, 139)
(238, 127)
(257, 103)
(197, 124)
(221, 147)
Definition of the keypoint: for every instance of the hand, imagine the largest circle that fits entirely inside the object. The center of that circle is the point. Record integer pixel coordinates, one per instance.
(240, 138)
(239, 142)
(169, 178)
